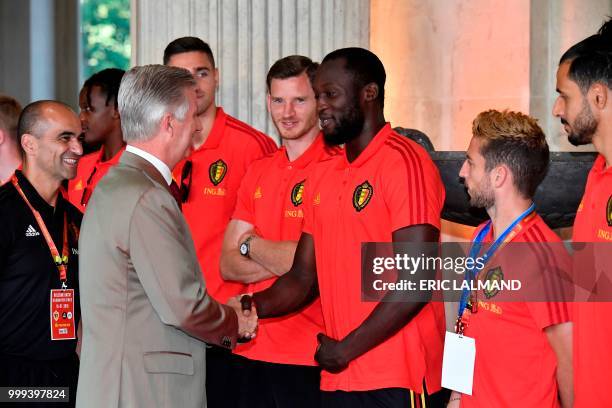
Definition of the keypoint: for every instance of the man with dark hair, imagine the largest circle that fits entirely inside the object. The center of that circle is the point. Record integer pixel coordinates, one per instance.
(39, 286)
(506, 160)
(584, 105)
(209, 179)
(101, 126)
(382, 188)
(260, 242)
(10, 153)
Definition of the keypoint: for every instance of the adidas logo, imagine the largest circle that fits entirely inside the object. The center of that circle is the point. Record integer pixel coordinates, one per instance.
(31, 232)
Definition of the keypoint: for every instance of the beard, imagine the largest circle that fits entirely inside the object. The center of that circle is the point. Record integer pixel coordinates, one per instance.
(483, 196)
(584, 127)
(348, 127)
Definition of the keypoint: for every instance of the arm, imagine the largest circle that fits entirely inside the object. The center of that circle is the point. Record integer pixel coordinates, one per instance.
(276, 256)
(560, 339)
(163, 256)
(389, 315)
(233, 265)
(295, 289)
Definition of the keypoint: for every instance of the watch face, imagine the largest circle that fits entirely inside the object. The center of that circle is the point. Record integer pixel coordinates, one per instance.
(244, 249)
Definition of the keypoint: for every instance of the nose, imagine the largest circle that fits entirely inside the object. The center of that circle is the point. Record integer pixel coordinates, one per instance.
(76, 147)
(463, 170)
(321, 104)
(557, 109)
(288, 110)
(82, 117)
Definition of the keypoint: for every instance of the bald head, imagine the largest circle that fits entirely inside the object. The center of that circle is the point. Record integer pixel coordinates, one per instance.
(34, 118)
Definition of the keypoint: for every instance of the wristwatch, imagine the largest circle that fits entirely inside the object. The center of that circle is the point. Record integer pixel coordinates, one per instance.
(245, 247)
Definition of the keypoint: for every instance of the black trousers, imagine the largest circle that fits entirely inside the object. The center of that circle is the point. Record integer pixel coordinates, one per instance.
(273, 385)
(384, 398)
(24, 372)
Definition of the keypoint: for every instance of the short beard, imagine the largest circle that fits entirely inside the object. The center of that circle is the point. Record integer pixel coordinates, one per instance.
(348, 128)
(584, 127)
(483, 197)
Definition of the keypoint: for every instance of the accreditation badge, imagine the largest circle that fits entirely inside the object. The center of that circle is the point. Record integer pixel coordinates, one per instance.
(62, 314)
(458, 363)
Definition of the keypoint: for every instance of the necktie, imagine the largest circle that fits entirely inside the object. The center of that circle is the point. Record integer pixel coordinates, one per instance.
(176, 193)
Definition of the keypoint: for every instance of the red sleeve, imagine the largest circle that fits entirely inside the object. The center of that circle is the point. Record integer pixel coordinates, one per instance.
(412, 186)
(549, 313)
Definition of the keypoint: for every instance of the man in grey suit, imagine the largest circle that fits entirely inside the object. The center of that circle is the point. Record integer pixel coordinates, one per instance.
(145, 308)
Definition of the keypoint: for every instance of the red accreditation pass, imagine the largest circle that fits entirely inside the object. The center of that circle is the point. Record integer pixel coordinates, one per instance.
(62, 314)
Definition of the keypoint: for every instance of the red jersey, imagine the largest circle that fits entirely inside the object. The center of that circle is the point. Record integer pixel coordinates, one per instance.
(515, 364)
(592, 325)
(391, 185)
(218, 166)
(271, 199)
(90, 171)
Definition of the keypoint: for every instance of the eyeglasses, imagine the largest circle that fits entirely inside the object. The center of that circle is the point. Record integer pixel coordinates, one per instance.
(186, 176)
(88, 190)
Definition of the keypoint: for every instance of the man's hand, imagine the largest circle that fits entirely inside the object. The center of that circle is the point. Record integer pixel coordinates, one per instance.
(330, 354)
(247, 319)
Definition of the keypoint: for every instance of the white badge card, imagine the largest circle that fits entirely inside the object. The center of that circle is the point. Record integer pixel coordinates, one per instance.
(458, 363)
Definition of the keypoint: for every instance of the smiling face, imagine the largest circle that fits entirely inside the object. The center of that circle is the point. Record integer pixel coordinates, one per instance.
(56, 148)
(573, 108)
(98, 119)
(338, 103)
(293, 107)
(475, 176)
(205, 74)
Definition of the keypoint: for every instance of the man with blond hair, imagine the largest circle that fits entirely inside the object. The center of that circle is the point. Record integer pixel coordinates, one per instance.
(506, 161)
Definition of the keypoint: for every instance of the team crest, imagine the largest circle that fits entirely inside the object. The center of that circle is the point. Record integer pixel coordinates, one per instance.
(493, 275)
(217, 171)
(609, 212)
(297, 193)
(362, 195)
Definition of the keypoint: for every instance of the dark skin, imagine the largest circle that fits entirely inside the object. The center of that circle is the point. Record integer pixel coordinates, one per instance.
(100, 120)
(335, 89)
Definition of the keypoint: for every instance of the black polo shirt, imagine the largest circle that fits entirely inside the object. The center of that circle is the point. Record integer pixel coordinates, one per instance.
(28, 273)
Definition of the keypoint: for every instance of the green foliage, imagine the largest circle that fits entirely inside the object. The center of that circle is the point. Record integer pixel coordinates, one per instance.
(105, 35)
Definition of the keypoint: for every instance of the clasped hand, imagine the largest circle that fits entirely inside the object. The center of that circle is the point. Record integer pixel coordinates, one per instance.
(247, 318)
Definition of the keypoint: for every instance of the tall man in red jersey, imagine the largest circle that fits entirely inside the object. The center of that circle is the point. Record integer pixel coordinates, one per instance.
(523, 349)
(260, 242)
(383, 188)
(209, 179)
(101, 126)
(584, 105)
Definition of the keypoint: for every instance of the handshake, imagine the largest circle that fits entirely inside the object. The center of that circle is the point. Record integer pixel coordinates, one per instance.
(247, 316)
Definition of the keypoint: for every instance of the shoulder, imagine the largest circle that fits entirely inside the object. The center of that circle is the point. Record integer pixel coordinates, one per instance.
(402, 149)
(244, 135)
(538, 231)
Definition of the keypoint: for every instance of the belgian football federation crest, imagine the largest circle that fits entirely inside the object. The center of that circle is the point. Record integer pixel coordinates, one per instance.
(362, 195)
(609, 212)
(491, 288)
(217, 171)
(297, 193)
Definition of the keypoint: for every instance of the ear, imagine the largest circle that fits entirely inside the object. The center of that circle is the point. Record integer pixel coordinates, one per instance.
(29, 143)
(115, 115)
(166, 125)
(370, 92)
(500, 175)
(599, 95)
(216, 74)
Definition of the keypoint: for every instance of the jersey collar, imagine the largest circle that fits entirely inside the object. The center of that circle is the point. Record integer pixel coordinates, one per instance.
(375, 144)
(113, 160)
(216, 132)
(35, 199)
(599, 166)
(312, 153)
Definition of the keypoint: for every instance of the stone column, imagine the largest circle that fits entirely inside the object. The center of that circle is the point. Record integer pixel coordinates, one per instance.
(247, 37)
(555, 26)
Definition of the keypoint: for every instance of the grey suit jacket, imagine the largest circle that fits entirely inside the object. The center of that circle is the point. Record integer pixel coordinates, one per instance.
(145, 309)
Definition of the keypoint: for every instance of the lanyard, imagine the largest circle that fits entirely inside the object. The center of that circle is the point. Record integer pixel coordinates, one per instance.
(506, 236)
(60, 261)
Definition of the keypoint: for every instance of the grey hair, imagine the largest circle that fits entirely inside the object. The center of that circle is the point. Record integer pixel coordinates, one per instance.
(146, 94)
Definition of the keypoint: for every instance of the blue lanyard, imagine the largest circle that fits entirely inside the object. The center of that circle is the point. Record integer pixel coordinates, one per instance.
(471, 274)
